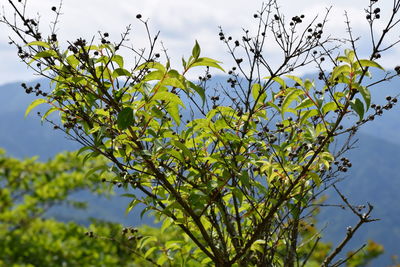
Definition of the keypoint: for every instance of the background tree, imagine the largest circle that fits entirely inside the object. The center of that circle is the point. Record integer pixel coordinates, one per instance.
(28, 189)
(238, 169)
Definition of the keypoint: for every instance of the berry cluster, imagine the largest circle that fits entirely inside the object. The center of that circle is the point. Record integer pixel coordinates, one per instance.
(296, 20)
(36, 90)
(133, 231)
(343, 165)
(373, 14)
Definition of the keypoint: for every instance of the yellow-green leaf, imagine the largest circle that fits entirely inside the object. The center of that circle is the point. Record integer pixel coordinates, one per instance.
(34, 104)
(208, 62)
(38, 43)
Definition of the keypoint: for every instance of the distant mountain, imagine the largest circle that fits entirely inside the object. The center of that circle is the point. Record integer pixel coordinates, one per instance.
(375, 176)
(27, 137)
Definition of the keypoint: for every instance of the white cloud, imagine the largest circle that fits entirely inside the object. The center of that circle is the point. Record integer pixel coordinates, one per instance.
(180, 23)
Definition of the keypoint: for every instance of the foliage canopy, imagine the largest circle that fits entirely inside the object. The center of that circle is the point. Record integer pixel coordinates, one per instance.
(237, 170)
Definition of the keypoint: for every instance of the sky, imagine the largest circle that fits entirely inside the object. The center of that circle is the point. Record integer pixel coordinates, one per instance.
(180, 23)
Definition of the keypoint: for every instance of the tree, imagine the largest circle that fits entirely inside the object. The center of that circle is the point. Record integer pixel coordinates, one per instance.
(28, 189)
(237, 170)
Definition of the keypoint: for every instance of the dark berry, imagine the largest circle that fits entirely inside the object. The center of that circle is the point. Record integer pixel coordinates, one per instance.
(397, 69)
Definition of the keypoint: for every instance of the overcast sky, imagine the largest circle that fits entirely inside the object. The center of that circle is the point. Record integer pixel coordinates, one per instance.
(180, 22)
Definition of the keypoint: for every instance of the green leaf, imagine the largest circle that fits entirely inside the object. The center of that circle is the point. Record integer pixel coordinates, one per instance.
(328, 107)
(343, 59)
(154, 75)
(306, 103)
(271, 104)
(152, 65)
(38, 43)
(120, 72)
(173, 111)
(47, 53)
(184, 63)
(73, 61)
(296, 79)
(305, 115)
(290, 98)
(146, 240)
(166, 224)
(48, 112)
(199, 90)
(149, 251)
(95, 169)
(125, 118)
(350, 54)
(308, 84)
(196, 51)
(34, 104)
(315, 177)
(168, 97)
(177, 82)
(278, 80)
(208, 62)
(368, 63)
(258, 245)
(366, 94)
(119, 60)
(258, 95)
(83, 149)
(131, 205)
(205, 261)
(358, 107)
(343, 69)
(162, 259)
(185, 150)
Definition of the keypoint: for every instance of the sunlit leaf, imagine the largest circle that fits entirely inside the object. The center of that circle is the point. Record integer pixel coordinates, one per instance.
(208, 62)
(34, 104)
(38, 43)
